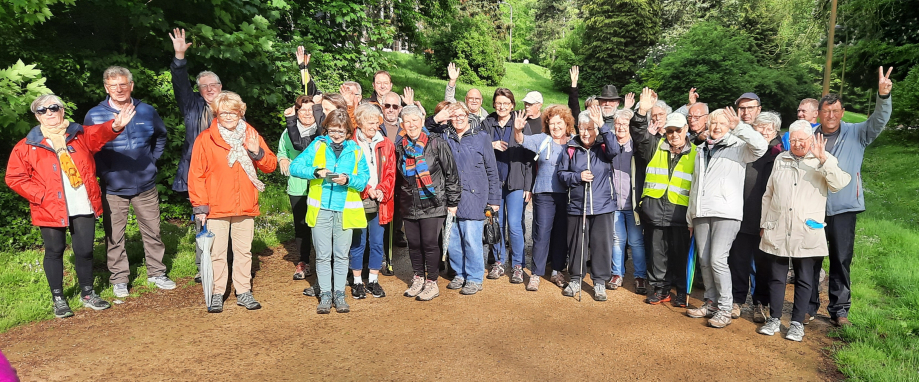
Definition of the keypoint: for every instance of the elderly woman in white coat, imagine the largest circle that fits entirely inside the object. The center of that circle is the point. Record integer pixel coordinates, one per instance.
(716, 207)
(794, 207)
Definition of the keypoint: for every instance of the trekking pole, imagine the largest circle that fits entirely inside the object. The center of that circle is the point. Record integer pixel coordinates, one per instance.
(391, 233)
(584, 228)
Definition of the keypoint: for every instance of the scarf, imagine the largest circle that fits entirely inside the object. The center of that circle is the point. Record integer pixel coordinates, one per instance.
(415, 165)
(305, 131)
(56, 134)
(238, 152)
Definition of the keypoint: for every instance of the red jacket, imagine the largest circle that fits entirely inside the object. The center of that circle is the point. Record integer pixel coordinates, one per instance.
(386, 176)
(34, 171)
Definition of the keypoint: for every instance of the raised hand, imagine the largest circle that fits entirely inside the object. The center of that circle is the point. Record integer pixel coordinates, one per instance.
(732, 117)
(452, 72)
(251, 140)
(819, 147)
(574, 72)
(693, 96)
(629, 101)
(123, 117)
(178, 42)
(884, 84)
(654, 127)
(442, 116)
(596, 116)
(646, 101)
(301, 59)
(289, 112)
(408, 96)
(520, 120)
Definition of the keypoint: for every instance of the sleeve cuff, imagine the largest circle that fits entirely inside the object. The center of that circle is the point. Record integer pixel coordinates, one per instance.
(259, 156)
(201, 210)
(883, 96)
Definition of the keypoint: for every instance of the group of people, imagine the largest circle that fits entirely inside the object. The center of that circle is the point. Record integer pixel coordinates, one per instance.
(363, 172)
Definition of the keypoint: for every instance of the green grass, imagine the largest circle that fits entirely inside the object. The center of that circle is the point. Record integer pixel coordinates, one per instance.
(853, 117)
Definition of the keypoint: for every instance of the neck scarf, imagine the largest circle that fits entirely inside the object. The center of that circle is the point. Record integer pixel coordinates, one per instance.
(306, 131)
(238, 152)
(56, 134)
(415, 165)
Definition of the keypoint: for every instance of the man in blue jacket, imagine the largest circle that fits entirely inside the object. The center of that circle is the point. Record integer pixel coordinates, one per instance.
(126, 167)
(847, 142)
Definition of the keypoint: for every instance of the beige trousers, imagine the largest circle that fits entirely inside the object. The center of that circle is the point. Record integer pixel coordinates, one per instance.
(242, 228)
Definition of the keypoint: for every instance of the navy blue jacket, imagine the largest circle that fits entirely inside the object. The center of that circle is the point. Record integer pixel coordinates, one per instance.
(574, 160)
(478, 172)
(516, 169)
(191, 105)
(126, 165)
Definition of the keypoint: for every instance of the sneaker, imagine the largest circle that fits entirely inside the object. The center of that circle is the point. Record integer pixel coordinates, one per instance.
(300, 273)
(247, 301)
(641, 285)
(386, 270)
(415, 289)
(599, 291)
(720, 319)
(61, 308)
(94, 302)
(307, 270)
(679, 301)
(735, 311)
(665, 295)
(795, 332)
(559, 280)
(338, 299)
(497, 270)
(533, 285)
(358, 291)
(311, 291)
(325, 303)
(614, 283)
(430, 291)
(517, 276)
(759, 313)
(121, 290)
(471, 288)
(808, 318)
(216, 304)
(376, 290)
(773, 326)
(706, 310)
(654, 298)
(457, 283)
(162, 282)
(572, 289)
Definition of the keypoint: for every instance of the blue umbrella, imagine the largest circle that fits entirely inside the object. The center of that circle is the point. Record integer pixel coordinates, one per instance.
(691, 264)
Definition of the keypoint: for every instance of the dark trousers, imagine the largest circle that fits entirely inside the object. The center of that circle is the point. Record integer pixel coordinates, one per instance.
(301, 229)
(424, 251)
(82, 232)
(393, 230)
(669, 249)
(840, 233)
(805, 281)
(550, 227)
(744, 254)
(597, 244)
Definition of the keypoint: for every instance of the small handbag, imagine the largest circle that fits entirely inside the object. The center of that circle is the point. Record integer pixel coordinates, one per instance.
(491, 232)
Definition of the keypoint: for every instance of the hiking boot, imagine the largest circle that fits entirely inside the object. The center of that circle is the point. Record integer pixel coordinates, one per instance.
(121, 290)
(720, 319)
(679, 301)
(376, 290)
(415, 289)
(795, 332)
(300, 273)
(759, 313)
(706, 310)
(614, 283)
(338, 299)
(430, 291)
(94, 302)
(735, 311)
(641, 285)
(558, 279)
(162, 282)
(517, 276)
(358, 291)
(533, 285)
(840, 321)
(246, 300)
(773, 326)
(61, 308)
(599, 291)
(471, 288)
(216, 304)
(808, 318)
(385, 270)
(654, 298)
(572, 289)
(457, 283)
(665, 295)
(325, 303)
(497, 270)
(311, 291)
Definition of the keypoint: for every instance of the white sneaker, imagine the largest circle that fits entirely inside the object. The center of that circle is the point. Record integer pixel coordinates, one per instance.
(162, 282)
(795, 332)
(773, 326)
(121, 290)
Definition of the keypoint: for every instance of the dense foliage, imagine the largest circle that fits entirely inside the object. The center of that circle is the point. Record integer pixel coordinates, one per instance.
(472, 44)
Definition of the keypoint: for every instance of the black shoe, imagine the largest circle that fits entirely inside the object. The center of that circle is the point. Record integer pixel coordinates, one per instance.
(654, 298)
(376, 290)
(386, 270)
(312, 291)
(400, 241)
(198, 278)
(679, 301)
(358, 291)
(61, 309)
(94, 302)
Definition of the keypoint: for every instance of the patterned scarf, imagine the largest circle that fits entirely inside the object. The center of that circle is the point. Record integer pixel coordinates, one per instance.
(238, 152)
(415, 165)
(55, 134)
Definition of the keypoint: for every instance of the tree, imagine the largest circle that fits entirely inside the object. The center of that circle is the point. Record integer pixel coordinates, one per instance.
(551, 22)
(472, 44)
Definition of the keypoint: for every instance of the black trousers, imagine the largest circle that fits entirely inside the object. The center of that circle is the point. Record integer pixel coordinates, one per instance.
(805, 282)
(301, 229)
(598, 246)
(744, 254)
(840, 233)
(423, 237)
(550, 230)
(82, 232)
(668, 248)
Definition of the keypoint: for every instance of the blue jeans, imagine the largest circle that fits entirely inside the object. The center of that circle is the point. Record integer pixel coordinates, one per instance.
(511, 215)
(550, 227)
(332, 244)
(466, 249)
(359, 242)
(625, 231)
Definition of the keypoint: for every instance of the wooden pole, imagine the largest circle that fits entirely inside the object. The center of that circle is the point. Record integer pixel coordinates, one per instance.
(829, 49)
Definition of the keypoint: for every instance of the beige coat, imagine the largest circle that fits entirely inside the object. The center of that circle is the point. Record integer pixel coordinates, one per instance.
(797, 191)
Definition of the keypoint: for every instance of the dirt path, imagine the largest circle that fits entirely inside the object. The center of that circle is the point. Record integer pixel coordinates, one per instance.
(504, 332)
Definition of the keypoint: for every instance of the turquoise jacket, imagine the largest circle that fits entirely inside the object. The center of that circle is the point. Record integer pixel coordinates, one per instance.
(333, 195)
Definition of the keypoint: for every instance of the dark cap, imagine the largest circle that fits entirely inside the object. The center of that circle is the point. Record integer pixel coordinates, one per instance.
(748, 96)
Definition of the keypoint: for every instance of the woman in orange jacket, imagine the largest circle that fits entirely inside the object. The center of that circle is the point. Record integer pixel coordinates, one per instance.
(223, 187)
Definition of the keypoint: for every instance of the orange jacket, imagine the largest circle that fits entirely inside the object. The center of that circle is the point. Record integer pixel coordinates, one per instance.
(218, 190)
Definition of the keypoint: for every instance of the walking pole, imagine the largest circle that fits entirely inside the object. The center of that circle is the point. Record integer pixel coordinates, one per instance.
(584, 228)
(391, 233)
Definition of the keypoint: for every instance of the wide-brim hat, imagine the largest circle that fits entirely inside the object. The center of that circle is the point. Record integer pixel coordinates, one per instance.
(609, 92)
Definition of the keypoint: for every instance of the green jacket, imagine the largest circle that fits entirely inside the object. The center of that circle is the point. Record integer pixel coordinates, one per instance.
(295, 186)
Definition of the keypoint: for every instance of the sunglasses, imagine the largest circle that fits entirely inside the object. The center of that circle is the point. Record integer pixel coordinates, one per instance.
(53, 108)
(391, 106)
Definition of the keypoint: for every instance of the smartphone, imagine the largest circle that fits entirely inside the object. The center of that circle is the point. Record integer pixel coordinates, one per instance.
(330, 176)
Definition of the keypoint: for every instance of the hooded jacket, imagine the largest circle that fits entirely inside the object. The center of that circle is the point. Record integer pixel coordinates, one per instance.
(575, 159)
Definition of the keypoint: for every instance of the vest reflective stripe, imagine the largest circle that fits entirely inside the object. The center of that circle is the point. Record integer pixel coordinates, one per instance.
(353, 214)
(657, 178)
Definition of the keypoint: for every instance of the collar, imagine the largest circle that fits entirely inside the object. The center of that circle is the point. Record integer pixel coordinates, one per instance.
(35, 137)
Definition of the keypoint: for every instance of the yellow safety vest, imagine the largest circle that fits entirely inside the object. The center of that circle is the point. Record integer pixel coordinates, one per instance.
(353, 214)
(657, 178)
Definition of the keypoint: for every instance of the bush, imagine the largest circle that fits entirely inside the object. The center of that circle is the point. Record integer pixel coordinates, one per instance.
(17, 231)
(473, 45)
(907, 93)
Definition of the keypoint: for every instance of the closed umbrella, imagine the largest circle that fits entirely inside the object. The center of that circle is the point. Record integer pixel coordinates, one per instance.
(448, 228)
(204, 240)
(690, 265)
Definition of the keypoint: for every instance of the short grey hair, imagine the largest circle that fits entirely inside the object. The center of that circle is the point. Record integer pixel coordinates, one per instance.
(663, 105)
(769, 117)
(41, 100)
(584, 117)
(116, 71)
(704, 107)
(411, 110)
(206, 73)
(624, 113)
(355, 85)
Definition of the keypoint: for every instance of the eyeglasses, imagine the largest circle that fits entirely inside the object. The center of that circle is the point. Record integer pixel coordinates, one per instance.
(228, 114)
(335, 132)
(503, 104)
(695, 117)
(393, 106)
(798, 141)
(459, 117)
(117, 86)
(53, 108)
(473, 99)
(747, 108)
(216, 85)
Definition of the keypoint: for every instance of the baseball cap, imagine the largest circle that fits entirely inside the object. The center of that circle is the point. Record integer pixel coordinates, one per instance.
(533, 97)
(748, 96)
(675, 120)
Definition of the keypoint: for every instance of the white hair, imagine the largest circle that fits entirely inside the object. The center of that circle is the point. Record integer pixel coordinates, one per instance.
(206, 73)
(411, 110)
(663, 105)
(584, 117)
(800, 125)
(116, 71)
(41, 100)
(769, 117)
(624, 113)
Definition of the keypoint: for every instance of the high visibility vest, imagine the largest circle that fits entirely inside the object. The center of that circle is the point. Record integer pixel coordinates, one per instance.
(353, 214)
(658, 180)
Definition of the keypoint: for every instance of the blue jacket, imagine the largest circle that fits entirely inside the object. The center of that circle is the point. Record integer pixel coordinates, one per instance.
(547, 165)
(574, 161)
(478, 172)
(515, 165)
(191, 105)
(333, 195)
(126, 165)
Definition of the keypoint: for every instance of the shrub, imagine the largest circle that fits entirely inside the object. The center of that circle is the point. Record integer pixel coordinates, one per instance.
(472, 44)
(17, 231)
(907, 97)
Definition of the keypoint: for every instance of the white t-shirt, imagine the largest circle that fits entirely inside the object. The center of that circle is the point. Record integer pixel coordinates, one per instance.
(77, 199)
